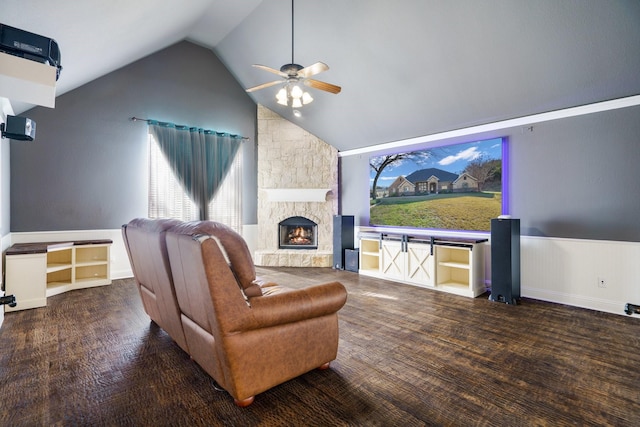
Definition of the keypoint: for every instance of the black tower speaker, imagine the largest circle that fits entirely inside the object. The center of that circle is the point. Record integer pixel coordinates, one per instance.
(342, 238)
(505, 260)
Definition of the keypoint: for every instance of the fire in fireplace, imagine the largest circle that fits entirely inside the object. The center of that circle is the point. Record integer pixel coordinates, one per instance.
(298, 232)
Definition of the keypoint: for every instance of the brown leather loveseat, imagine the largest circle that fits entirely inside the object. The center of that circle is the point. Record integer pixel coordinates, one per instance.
(249, 335)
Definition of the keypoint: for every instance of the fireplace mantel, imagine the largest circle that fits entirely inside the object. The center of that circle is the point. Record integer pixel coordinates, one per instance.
(297, 194)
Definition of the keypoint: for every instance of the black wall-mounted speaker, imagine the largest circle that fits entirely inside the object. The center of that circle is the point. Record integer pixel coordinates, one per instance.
(19, 128)
(505, 260)
(343, 226)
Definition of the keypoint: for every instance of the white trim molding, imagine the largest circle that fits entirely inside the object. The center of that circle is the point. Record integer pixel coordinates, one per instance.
(296, 194)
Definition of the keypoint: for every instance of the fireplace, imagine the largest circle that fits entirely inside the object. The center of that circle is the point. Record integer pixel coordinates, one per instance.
(297, 232)
(309, 190)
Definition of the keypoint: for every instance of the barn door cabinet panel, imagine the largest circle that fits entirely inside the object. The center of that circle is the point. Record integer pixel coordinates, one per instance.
(407, 261)
(35, 271)
(420, 267)
(451, 265)
(392, 259)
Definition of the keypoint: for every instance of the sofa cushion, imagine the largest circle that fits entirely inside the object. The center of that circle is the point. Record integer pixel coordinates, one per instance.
(234, 248)
(144, 240)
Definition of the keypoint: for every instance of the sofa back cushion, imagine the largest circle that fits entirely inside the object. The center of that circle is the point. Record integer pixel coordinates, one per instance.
(147, 248)
(234, 249)
(208, 294)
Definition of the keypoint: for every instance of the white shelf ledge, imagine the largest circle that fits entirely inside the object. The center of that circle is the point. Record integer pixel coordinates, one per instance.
(297, 194)
(23, 80)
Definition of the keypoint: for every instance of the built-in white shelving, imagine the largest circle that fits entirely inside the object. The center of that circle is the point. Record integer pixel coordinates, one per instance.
(37, 271)
(450, 265)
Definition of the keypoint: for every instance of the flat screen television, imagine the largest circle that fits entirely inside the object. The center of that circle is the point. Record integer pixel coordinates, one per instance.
(452, 187)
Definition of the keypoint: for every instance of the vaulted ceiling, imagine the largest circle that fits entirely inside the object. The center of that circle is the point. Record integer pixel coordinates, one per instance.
(407, 68)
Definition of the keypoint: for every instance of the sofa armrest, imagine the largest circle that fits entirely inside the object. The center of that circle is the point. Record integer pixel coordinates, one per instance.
(294, 305)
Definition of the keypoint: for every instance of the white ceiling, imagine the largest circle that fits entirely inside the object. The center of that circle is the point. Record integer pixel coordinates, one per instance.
(407, 67)
(100, 36)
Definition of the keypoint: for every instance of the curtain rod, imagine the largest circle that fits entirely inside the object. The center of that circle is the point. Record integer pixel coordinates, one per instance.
(138, 119)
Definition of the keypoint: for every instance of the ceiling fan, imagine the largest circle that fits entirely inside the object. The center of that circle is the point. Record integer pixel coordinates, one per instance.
(294, 74)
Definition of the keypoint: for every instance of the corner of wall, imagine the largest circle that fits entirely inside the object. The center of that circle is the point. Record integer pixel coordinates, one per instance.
(5, 109)
(1, 311)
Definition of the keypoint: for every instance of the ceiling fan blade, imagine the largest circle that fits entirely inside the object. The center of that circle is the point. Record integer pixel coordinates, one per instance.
(327, 87)
(313, 69)
(264, 85)
(271, 70)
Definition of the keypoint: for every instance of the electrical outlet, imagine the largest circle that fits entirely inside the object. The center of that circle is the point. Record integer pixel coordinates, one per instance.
(602, 283)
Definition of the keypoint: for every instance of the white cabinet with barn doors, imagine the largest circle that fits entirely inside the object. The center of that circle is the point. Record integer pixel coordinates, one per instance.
(451, 265)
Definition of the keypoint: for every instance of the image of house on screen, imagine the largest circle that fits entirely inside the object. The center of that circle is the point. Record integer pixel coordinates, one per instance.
(432, 181)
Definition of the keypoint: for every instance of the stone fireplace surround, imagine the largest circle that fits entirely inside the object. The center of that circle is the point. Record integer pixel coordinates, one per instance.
(297, 176)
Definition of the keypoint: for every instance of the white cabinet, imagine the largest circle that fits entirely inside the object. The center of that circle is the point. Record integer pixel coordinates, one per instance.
(25, 275)
(460, 269)
(35, 271)
(450, 265)
(77, 267)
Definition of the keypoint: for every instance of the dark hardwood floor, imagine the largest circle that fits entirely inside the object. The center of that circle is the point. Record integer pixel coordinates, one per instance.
(407, 357)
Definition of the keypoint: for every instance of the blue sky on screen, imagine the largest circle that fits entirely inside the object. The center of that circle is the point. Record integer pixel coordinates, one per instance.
(452, 158)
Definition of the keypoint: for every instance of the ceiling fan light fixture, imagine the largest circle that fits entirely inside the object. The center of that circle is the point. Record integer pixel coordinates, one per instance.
(296, 92)
(281, 96)
(307, 98)
(296, 103)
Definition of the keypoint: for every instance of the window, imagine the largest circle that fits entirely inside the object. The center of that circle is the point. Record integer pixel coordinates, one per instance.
(167, 199)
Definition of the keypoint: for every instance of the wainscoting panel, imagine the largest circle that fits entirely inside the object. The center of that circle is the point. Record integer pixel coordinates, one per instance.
(564, 271)
(570, 271)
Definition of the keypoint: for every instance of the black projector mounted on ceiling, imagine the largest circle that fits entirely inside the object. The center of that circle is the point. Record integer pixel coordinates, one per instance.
(18, 128)
(30, 46)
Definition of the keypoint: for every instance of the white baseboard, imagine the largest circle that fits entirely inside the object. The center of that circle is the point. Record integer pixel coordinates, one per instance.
(581, 301)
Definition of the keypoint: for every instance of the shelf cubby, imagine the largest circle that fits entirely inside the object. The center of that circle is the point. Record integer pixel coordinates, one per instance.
(369, 256)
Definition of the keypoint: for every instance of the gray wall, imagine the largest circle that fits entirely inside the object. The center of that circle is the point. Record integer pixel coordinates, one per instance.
(577, 177)
(87, 167)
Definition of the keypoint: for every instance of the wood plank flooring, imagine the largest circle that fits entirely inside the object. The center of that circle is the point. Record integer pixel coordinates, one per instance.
(408, 357)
